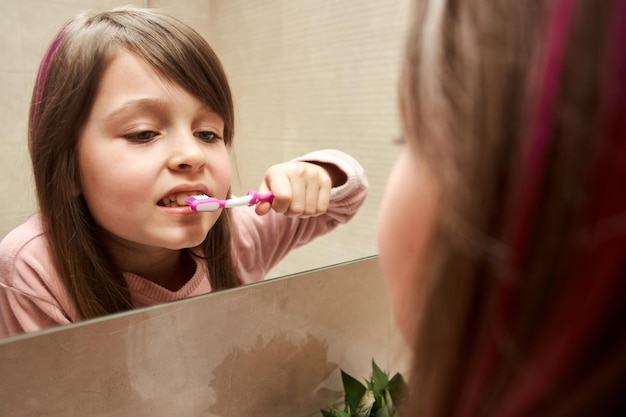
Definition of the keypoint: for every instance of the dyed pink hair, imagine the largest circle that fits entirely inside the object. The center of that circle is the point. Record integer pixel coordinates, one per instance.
(40, 83)
(599, 271)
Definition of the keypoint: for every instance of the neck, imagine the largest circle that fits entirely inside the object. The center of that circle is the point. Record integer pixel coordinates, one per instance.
(171, 269)
(171, 274)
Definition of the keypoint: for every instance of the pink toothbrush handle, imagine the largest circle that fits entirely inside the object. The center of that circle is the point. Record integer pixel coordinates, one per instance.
(259, 197)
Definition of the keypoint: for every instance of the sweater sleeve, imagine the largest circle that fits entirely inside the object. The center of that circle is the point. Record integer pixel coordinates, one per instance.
(31, 296)
(260, 242)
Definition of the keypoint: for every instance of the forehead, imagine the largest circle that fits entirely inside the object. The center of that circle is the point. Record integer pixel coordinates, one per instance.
(129, 77)
(130, 85)
(125, 67)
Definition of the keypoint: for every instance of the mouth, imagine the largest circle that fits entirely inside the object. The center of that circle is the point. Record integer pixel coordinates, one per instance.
(177, 199)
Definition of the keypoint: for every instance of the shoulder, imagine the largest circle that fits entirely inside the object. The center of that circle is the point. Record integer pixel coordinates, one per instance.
(34, 296)
(26, 244)
(23, 236)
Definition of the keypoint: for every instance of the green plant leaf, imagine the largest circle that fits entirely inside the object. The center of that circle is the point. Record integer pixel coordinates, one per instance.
(383, 412)
(378, 397)
(353, 389)
(333, 412)
(379, 378)
(380, 400)
(365, 404)
(390, 406)
(396, 387)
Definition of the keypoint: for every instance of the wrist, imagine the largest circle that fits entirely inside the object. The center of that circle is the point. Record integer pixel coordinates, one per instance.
(337, 176)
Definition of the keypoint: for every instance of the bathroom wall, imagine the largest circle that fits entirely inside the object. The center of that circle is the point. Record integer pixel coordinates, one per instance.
(26, 28)
(305, 75)
(312, 74)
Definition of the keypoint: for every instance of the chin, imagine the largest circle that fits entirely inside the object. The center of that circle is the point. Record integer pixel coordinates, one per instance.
(184, 242)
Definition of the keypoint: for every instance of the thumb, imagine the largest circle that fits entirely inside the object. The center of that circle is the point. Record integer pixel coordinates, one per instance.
(263, 207)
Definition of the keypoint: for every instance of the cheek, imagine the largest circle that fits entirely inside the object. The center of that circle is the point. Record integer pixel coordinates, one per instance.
(405, 229)
(106, 176)
(222, 170)
(115, 186)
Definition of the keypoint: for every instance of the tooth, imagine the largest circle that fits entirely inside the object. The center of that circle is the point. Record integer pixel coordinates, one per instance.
(181, 199)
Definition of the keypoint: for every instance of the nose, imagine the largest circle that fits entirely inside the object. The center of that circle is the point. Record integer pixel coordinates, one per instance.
(186, 154)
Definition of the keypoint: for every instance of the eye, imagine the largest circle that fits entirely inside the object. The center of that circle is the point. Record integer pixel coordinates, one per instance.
(208, 136)
(142, 136)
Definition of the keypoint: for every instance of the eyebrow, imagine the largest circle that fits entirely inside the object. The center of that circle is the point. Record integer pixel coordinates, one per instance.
(144, 105)
(134, 105)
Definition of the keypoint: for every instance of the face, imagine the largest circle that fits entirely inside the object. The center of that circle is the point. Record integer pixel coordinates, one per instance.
(405, 228)
(146, 145)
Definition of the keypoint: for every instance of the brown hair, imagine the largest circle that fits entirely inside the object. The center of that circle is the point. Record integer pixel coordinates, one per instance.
(519, 239)
(66, 86)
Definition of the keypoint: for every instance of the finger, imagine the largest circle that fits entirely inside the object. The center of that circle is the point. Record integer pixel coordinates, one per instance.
(298, 192)
(263, 187)
(279, 184)
(310, 200)
(318, 193)
(263, 208)
(323, 199)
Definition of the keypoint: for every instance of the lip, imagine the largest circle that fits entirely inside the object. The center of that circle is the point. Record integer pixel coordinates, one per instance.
(187, 188)
(177, 210)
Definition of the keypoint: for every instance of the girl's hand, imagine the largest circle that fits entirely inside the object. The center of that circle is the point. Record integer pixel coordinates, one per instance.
(300, 188)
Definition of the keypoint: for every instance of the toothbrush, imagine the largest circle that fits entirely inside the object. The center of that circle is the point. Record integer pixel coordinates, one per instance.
(206, 203)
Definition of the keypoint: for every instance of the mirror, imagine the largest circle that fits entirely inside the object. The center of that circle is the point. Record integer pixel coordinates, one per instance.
(213, 355)
(304, 76)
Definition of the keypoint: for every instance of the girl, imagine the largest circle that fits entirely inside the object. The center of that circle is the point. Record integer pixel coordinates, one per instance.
(509, 282)
(131, 113)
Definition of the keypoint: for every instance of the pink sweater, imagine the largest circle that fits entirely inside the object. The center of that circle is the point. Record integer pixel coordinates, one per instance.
(32, 296)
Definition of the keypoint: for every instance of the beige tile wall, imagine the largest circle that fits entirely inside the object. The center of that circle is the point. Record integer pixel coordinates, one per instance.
(310, 75)
(305, 74)
(26, 28)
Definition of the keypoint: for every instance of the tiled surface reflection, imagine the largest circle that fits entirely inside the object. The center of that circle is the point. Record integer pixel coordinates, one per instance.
(269, 349)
